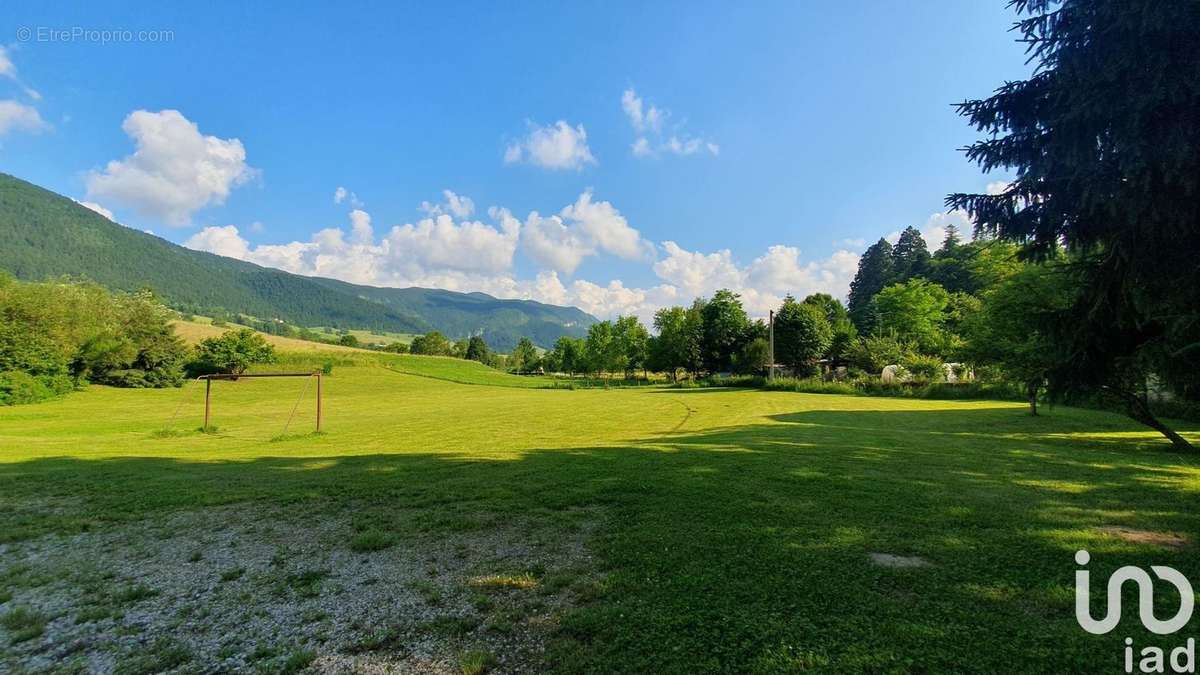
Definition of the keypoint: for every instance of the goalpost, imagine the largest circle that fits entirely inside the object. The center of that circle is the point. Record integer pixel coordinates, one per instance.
(208, 380)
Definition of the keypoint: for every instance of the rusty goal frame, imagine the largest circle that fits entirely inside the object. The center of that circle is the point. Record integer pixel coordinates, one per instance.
(208, 380)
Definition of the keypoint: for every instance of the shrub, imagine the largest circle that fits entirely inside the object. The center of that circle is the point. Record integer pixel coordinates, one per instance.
(925, 368)
(231, 352)
(875, 352)
(17, 388)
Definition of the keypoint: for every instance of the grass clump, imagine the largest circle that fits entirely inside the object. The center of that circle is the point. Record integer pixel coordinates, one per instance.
(307, 584)
(296, 661)
(134, 593)
(162, 655)
(521, 581)
(24, 623)
(475, 662)
(381, 639)
(371, 540)
(232, 574)
(429, 592)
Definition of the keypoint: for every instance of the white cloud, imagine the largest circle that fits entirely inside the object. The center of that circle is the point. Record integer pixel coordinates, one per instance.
(584, 228)
(558, 146)
(997, 186)
(762, 283)
(554, 245)
(97, 208)
(341, 194)
(8, 70)
(602, 224)
(360, 227)
(851, 242)
(456, 205)
(440, 243)
(696, 272)
(649, 119)
(648, 122)
(15, 116)
(224, 241)
(460, 254)
(435, 251)
(174, 170)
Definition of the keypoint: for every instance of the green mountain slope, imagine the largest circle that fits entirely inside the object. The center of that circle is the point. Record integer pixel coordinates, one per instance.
(501, 322)
(43, 234)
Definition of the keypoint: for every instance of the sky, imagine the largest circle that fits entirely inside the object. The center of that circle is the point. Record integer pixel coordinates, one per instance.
(618, 157)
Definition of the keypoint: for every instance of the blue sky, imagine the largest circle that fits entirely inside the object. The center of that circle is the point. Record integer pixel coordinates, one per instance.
(775, 138)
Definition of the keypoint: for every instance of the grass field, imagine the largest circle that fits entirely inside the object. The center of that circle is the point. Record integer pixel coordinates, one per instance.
(633, 530)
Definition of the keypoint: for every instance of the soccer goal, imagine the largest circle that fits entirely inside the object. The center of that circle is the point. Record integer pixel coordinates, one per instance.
(244, 405)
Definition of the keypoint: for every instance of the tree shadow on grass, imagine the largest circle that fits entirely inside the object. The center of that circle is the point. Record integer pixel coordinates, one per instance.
(746, 548)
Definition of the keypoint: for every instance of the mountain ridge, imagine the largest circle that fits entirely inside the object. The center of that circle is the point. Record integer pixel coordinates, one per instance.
(44, 235)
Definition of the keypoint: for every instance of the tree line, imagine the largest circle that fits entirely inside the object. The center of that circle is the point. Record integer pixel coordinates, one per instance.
(58, 336)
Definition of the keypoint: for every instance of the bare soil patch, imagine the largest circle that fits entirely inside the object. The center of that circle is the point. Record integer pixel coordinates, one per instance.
(1164, 539)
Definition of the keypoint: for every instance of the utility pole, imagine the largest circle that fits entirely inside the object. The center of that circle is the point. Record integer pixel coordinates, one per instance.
(771, 323)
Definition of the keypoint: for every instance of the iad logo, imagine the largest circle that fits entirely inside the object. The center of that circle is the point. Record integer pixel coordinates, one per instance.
(1182, 659)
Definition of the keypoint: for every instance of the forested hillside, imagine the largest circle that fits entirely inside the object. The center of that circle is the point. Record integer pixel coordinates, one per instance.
(43, 234)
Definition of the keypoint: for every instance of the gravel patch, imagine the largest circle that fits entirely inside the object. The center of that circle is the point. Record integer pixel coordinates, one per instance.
(892, 560)
(262, 589)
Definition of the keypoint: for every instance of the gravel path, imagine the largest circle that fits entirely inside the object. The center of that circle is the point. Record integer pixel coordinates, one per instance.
(248, 588)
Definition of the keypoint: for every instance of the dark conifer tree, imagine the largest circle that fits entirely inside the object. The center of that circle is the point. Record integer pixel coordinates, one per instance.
(910, 255)
(1104, 139)
(875, 270)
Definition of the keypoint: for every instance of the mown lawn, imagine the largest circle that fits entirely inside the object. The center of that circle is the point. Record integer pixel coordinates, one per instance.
(736, 525)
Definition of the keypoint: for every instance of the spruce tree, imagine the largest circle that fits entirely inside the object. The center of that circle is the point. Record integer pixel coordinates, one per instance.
(1104, 140)
(910, 255)
(874, 272)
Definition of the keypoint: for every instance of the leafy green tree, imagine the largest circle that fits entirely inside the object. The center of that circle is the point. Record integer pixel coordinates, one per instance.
(432, 343)
(477, 349)
(754, 357)
(524, 357)
(910, 255)
(604, 351)
(914, 310)
(831, 307)
(348, 340)
(875, 352)
(725, 325)
(634, 339)
(1014, 327)
(802, 335)
(844, 332)
(232, 352)
(396, 347)
(1105, 144)
(568, 356)
(668, 349)
(875, 271)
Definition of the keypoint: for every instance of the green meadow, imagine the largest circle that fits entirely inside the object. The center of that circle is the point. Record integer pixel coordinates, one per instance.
(731, 530)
